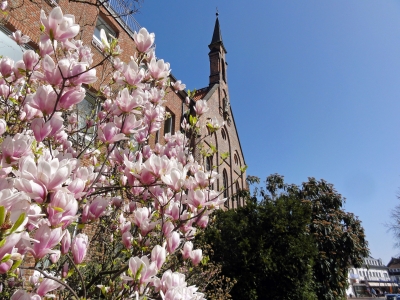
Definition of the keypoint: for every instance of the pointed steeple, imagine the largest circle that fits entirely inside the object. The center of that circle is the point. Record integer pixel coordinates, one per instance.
(217, 36)
(217, 56)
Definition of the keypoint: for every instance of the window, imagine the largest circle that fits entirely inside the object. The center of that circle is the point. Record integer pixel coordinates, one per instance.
(8, 47)
(208, 163)
(223, 133)
(101, 24)
(86, 110)
(236, 159)
(239, 201)
(225, 187)
(223, 70)
(169, 123)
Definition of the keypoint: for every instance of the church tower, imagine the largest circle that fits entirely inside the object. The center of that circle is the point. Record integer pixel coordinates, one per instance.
(217, 56)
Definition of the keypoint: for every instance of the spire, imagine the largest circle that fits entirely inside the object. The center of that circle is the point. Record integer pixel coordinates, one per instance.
(217, 36)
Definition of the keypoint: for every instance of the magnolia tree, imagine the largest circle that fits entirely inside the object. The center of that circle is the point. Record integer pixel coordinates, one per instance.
(88, 209)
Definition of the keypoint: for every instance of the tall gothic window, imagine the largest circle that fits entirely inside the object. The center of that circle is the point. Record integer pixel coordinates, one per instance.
(239, 201)
(226, 187)
(223, 70)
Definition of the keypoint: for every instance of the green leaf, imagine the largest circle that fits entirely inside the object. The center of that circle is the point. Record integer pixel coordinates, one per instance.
(16, 265)
(18, 223)
(6, 258)
(224, 155)
(243, 169)
(70, 272)
(2, 215)
(2, 242)
(59, 209)
(192, 120)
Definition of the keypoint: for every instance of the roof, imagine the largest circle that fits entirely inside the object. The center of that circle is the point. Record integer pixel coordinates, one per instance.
(394, 263)
(217, 36)
(200, 94)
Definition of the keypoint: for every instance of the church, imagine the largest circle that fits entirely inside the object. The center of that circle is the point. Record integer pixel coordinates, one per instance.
(93, 15)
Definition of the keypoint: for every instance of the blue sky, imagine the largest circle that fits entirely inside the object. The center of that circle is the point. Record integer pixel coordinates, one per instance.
(314, 86)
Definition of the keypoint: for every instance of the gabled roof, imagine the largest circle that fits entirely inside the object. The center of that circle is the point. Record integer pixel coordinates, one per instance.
(200, 93)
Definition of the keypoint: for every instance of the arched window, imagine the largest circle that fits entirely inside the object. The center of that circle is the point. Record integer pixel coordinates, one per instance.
(226, 186)
(223, 133)
(223, 70)
(208, 163)
(239, 201)
(236, 159)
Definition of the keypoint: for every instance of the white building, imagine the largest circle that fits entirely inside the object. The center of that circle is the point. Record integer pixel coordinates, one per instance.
(372, 274)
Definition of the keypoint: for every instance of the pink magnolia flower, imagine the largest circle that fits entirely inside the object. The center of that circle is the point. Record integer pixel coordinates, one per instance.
(46, 47)
(158, 255)
(10, 242)
(133, 74)
(71, 97)
(196, 256)
(47, 285)
(196, 198)
(65, 242)
(58, 26)
(65, 269)
(41, 129)
(24, 295)
(6, 66)
(95, 209)
(3, 5)
(36, 190)
(110, 133)
(141, 215)
(170, 280)
(126, 102)
(144, 40)
(31, 59)
(47, 238)
(202, 222)
(79, 74)
(3, 126)
(141, 268)
(104, 40)
(131, 124)
(51, 173)
(159, 69)
(5, 266)
(167, 228)
(54, 257)
(62, 209)
(175, 179)
(19, 38)
(173, 242)
(127, 239)
(178, 86)
(201, 107)
(13, 148)
(187, 250)
(76, 187)
(79, 247)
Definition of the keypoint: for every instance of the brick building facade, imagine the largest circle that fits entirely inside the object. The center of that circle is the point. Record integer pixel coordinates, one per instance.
(92, 16)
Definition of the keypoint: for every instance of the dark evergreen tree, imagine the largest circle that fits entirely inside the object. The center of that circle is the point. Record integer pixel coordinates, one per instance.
(288, 242)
